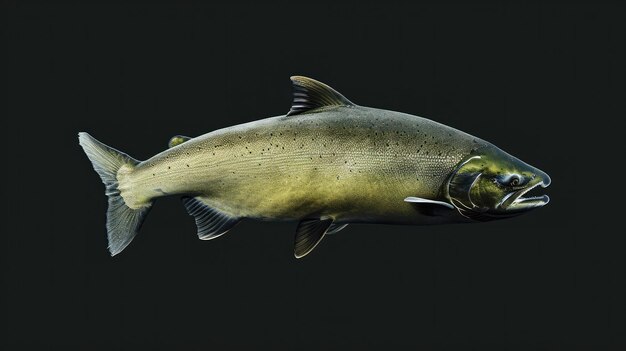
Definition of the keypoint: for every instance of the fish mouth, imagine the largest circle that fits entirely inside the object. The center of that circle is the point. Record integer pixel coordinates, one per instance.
(516, 201)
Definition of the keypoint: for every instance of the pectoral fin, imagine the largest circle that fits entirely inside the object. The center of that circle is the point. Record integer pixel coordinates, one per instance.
(420, 200)
(309, 233)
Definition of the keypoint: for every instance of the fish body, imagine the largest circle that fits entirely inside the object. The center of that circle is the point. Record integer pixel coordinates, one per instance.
(349, 163)
(327, 163)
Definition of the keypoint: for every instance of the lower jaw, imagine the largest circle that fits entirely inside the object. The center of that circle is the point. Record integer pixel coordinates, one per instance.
(527, 205)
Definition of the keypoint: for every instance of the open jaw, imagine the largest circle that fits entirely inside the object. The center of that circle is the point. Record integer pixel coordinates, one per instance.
(516, 201)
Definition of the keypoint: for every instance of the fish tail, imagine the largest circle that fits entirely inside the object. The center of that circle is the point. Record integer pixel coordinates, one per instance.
(113, 166)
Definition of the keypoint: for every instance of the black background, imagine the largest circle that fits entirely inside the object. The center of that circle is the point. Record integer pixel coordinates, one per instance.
(545, 82)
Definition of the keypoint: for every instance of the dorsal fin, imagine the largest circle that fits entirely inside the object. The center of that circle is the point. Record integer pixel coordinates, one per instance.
(309, 94)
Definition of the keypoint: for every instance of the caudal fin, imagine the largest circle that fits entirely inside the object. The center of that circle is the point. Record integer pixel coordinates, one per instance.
(123, 222)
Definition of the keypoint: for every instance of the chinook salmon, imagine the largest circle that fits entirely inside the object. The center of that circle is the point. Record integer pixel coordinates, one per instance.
(327, 163)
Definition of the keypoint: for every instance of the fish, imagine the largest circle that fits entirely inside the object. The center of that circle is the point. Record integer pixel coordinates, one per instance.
(327, 163)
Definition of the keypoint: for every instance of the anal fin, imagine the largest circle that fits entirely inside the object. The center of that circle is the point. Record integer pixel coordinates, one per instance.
(210, 221)
(308, 234)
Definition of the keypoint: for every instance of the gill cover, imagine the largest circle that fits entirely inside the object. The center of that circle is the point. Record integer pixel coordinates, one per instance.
(460, 189)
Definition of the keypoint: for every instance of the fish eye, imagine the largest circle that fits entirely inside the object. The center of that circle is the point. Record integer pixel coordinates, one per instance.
(511, 180)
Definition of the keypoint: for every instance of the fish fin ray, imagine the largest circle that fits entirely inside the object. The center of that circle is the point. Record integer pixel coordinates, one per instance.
(309, 94)
(211, 222)
(309, 234)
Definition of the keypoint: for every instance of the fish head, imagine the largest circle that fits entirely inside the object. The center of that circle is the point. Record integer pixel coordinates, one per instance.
(490, 184)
